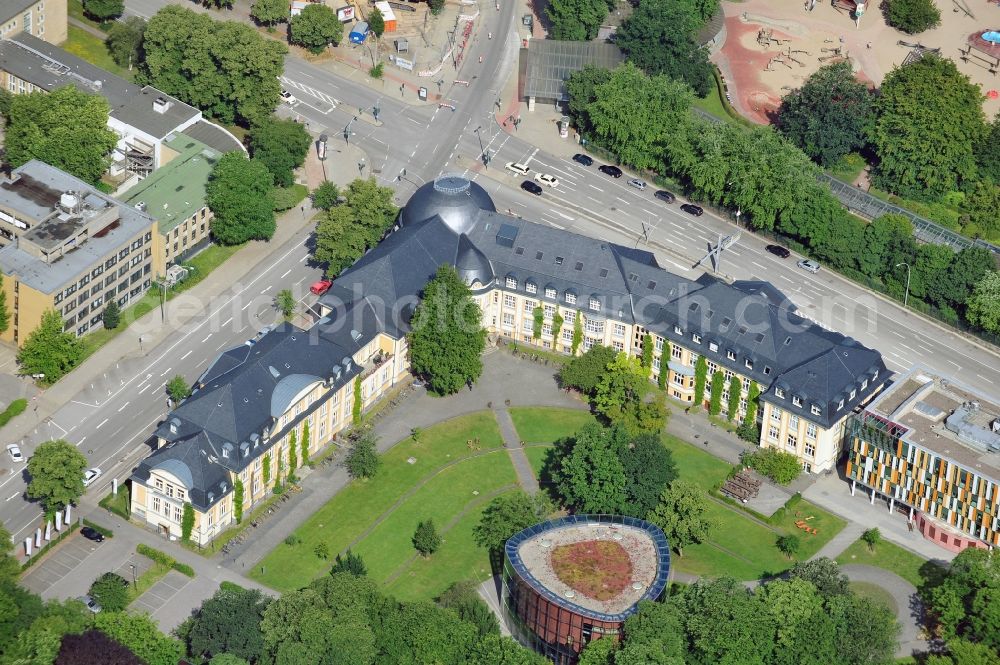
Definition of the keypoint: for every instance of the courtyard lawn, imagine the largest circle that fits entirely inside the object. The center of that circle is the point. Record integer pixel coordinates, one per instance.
(536, 457)
(827, 525)
(344, 518)
(912, 567)
(876, 594)
(702, 468)
(546, 425)
(459, 558)
(84, 45)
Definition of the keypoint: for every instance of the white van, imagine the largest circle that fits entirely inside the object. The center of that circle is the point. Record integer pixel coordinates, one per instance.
(520, 169)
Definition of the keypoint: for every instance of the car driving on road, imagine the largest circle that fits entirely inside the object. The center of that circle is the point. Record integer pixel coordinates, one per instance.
(612, 171)
(692, 209)
(520, 169)
(90, 475)
(778, 251)
(321, 287)
(15, 452)
(532, 187)
(808, 266)
(585, 160)
(665, 196)
(638, 184)
(547, 179)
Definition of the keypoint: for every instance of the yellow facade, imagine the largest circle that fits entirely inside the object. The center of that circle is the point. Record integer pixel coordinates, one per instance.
(46, 19)
(26, 306)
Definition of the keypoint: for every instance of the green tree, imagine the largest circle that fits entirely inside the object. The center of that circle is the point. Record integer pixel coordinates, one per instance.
(225, 68)
(681, 514)
(238, 500)
(306, 441)
(363, 460)
(350, 563)
(141, 635)
(981, 203)
(239, 193)
(927, 102)
(112, 315)
(647, 353)
(104, 10)
(284, 301)
(376, 22)
(963, 652)
(829, 116)
(269, 12)
(110, 590)
(620, 397)
(964, 603)
(779, 466)
(584, 372)
(266, 469)
(293, 453)
(967, 268)
(346, 231)
(984, 304)
(447, 339)
(788, 545)
(884, 240)
(748, 427)
(4, 312)
(326, 195)
(538, 315)
(575, 20)
(912, 16)
(665, 355)
(700, 375)
(56, 472)
(577, 334)
(435, 6)
(735, 393)
(124, 41)
(281, 145)
(358, 403)
(229, 622)
(463, 598)
(649, 470)
(588, 473)
(227, 659)
(988, 155)
(508, 514)
(315, 27)
(872, 537)
(598, 652)
(187, 522)
(581, 87)
(660, 37)
(426, 539)
(715, 401)
(178, 389)
(65, 128)
(322, 550)
(824, 574)
(557, 324)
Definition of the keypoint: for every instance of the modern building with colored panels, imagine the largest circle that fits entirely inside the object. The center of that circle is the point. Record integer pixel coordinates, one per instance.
(930, 446)
(572, 580)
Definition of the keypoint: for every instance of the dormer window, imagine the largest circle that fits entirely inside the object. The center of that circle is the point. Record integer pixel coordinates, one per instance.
(731, 355)
(570, 298)
(875, 374)
(511, 282)
(748, 363)
(767, 370)
(696, 338)
(550, 293)
(864, 384)
(678, 331)
(840, 405)
(853, 393)
(796, 400)
(595, 304)
(815, 410)
(778, 392)
(530, 287)
(712, 346)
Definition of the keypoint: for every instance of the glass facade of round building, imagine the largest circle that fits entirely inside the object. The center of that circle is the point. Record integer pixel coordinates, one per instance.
(556, 619)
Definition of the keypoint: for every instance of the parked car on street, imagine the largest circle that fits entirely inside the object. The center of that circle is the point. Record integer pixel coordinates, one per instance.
(90, 475)
(665, 196)
(532, 187)
(612, 171)
(287, 97)
(778, 251)
(808, 265)
(692, 209)
(92, 534)
(585, 160)
(547, 179)
(321, 287)
(15, 452)
(638, 184)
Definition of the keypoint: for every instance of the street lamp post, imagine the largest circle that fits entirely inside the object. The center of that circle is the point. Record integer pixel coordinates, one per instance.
(132, 566)
(906, 294)
(482, 149)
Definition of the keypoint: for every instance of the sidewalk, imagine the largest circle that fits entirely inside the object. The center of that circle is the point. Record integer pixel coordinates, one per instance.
(513, 444)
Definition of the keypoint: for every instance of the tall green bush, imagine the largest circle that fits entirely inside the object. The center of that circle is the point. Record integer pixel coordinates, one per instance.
(577, 333)
(539, 320)
(356, 409)
(735, 392)
(715, 400)
(700, 376)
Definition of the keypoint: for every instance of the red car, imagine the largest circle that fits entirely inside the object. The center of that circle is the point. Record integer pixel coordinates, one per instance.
(321, 287)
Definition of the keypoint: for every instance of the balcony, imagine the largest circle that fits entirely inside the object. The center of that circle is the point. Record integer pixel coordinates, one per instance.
(378, 359)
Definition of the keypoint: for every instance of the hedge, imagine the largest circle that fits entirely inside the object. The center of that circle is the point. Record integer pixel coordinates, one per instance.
(15, 408)
(164, 559)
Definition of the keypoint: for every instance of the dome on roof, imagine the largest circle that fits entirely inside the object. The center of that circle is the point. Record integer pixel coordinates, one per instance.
(457, 200)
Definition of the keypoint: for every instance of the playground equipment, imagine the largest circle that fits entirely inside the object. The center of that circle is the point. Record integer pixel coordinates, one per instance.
(765, 37)
(853, 9)
(983, 49)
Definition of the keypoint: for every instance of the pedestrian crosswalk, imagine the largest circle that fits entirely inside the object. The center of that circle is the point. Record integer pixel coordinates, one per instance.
(309, 90)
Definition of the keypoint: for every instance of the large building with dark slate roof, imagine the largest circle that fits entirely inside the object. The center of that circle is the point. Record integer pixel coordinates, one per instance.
(252, 398)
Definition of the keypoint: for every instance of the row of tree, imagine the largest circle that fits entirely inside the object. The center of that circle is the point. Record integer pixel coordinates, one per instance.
(645, 120)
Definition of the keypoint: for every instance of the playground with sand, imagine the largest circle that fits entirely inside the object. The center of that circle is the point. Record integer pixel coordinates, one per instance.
(773, 46)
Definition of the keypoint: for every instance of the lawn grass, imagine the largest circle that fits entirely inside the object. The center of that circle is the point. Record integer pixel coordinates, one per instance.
(876, 594)
(913, 568)
(827, 526)
(536, 457)
(459, 558)
(701, 468)
(849, 167)
(117, 503)
(546, 425)
(348, 514)
(75, 10)
(84, 45)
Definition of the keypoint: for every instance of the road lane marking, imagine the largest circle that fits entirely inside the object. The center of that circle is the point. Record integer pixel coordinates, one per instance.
(14, 496)
(187, 354)
(206, 338)
(596, 187)
(244, 308)
(102, 423)
(144, 389)
(266, 290)
(122, 407)
(286, 274)
(228, 321)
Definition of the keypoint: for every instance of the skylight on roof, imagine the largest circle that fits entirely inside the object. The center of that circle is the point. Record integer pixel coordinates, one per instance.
(559, 260)
(632, 277)
(788, 340)
(579, 265)
(604, 272)
(519, 251)
(651, 285)
(539, 255)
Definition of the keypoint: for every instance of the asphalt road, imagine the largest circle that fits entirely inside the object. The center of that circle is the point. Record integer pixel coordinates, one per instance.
(113, 418)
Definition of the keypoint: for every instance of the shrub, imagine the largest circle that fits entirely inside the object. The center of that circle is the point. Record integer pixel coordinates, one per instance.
(110, 590)
(107, 533)
(292, 540)
(183, 568)
(426, 539)
(781, 467)
(322, 550)
(15, 408)
(912, 16)
(376, 71)
(156, 555)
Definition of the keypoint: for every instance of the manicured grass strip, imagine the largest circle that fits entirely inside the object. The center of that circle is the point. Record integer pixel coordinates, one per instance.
(355, 508)
(536, 457)
(911, 567)
(459, 558)
(545, 425)
(697, 466)
(390, 544)
(84, 45)
(876, 594)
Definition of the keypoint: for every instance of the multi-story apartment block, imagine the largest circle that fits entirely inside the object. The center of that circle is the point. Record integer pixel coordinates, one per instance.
(45, 19)
(931, 446)
(175, 195)
(72, 248)
(254, 396)
(143, 117)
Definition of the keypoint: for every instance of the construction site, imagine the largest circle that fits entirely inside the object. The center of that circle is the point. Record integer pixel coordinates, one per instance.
(773, 46)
